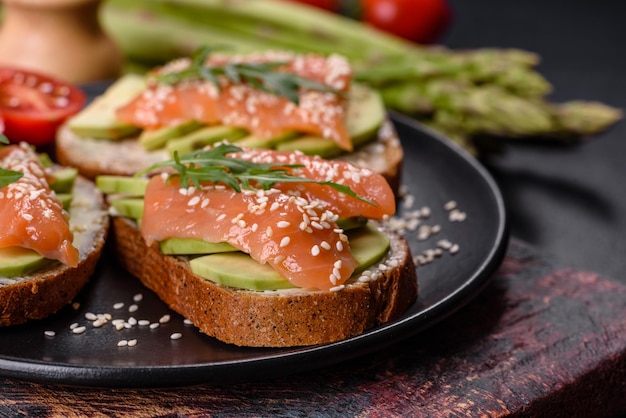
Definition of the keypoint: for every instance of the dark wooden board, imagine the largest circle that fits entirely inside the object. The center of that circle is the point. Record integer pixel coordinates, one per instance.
(541, 340)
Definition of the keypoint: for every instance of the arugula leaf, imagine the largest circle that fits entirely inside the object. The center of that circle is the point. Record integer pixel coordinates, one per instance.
(214, 166)
(8, 176)
(262, 76)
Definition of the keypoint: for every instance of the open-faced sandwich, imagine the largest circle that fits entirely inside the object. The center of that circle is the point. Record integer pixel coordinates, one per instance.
(264, 248)
(271, 100)
(54, 225)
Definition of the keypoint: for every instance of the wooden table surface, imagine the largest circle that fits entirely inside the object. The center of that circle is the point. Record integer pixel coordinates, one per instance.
(541, 340)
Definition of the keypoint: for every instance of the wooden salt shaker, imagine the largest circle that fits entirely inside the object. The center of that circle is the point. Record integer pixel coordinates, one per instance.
(62, 38)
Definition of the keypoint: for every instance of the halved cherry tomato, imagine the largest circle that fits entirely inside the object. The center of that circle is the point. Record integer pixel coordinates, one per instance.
(33, 105)
(330, 5)
(421, 21)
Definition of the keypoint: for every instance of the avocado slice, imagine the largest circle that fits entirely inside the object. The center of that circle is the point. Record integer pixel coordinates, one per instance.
(98, 119)
(203, 137)
(365, 115)
(63, 179)
(128, 207)
(237, 269)
(252, 141)
(157, 138)
(132, 186)
(65, 199)
(182, 246)
(18, 261)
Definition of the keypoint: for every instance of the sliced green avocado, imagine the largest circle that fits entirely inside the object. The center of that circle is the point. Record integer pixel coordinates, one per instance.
(203, 137)
(237, 269)
(18, 261)
(157, 138)
(129, 207)
(63, 179)
(193, 246)
(98, 119)
(65, 199)
(252, 141)
(364, 117)
(132, 186)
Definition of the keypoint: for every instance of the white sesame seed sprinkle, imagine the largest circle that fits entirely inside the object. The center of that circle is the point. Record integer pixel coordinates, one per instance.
(79, 330)
(50, 333)
(176, 336)
(138, 297)
(164, 319)
(133, 308)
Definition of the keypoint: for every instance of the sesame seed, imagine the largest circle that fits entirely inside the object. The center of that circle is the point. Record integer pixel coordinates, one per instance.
(315, 251)
(143, 322)
(269, 231)
(337, 288)
(132, 321)
(450, 205)
(118, 305)
(154, 325)
(132, 343)
(91, 316)
(138, 297)
(50, 333)
(285, 242)
(176, 336)
(99, 322)
(74, 325)
(187, 322)
(454, 249)
(339, 246)
(164, 319)
(133, 308)
(194, 201)
(122, 343)
(283, 224)
(325, 245)
(79, 330)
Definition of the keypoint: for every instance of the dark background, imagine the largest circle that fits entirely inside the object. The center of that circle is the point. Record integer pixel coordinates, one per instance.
(568, 201)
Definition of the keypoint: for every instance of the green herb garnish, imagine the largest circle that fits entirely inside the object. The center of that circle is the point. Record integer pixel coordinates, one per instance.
(8, 176)
(261, 76)
(214, 166)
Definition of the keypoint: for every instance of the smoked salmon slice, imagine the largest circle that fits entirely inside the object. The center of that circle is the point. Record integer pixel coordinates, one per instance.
(32, 216)
(291, 226)
(241, 105)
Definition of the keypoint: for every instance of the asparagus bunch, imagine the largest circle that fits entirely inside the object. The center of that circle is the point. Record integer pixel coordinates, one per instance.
(464, 94)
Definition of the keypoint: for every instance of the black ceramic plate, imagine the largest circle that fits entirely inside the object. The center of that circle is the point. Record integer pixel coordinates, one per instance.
(435, 172)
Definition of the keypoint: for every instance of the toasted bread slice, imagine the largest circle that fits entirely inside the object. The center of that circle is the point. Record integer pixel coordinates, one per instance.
(279, 318)
(93, 157)
(45, 291)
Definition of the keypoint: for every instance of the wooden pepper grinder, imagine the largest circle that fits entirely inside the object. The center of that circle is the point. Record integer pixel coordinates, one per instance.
(62, 38)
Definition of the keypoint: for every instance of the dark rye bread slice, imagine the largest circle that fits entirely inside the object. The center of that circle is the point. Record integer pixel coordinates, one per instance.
(41, 293)
(93, 157)
(281, 318)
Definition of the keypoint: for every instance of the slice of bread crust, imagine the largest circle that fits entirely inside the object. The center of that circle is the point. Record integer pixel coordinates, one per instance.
(93, 157)
(42, 293)
(281, 318)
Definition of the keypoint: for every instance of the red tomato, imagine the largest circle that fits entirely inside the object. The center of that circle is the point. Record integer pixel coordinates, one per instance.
(330, 5)
(421, 21)
(33, 105)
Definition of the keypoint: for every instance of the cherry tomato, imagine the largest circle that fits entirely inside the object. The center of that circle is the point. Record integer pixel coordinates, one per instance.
(330, 5)
(33, 105)
(421, 21)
